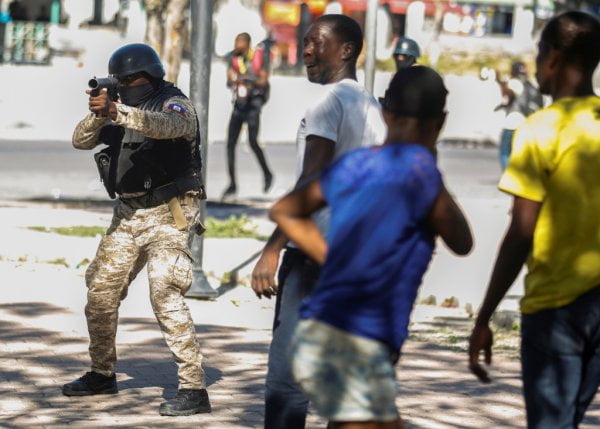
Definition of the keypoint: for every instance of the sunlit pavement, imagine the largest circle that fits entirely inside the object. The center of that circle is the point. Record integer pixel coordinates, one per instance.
(43, 344)
(43, 336)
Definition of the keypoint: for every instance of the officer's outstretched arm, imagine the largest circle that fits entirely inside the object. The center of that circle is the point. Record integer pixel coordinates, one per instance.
(177, 119)
(87, 132)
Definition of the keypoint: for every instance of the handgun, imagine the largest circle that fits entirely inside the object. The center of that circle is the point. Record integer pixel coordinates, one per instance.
(99, 83)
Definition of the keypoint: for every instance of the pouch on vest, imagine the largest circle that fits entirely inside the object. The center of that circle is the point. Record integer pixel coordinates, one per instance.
(105, 161)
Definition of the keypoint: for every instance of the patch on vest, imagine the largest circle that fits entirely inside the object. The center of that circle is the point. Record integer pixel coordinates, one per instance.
(176, 108)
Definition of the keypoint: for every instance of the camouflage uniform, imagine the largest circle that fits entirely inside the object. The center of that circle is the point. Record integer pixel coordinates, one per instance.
(139, 236)
(166, 32)
(166, 124)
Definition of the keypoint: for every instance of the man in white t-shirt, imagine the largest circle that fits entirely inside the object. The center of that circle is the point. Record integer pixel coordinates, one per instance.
(346, 117)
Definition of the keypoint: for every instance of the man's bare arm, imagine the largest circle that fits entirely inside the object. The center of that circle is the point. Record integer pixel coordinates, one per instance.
(449, 222)
(292, 214)
(513, 253)
(231, 77)
(318, 154)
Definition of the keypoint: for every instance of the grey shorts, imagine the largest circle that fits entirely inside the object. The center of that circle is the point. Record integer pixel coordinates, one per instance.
(347, 378)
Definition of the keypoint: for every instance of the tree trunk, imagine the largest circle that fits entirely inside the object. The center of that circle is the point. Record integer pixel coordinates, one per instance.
(175, 36)
(155, 33)
(166, 32)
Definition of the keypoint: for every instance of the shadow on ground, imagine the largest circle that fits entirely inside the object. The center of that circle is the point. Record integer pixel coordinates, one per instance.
(37, 361)
(435, 388)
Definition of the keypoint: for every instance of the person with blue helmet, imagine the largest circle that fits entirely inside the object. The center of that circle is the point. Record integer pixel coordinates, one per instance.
(406, 52)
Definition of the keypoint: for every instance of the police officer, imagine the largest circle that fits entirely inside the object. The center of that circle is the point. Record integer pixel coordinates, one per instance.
(520, 99)
(406, 52)
(152, 162)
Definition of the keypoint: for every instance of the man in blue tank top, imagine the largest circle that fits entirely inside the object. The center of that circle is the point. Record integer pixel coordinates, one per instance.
(387, 204)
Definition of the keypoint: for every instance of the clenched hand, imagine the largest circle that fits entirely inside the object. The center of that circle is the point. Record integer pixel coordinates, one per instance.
(481, 339)
(263, 275)
(101, 104)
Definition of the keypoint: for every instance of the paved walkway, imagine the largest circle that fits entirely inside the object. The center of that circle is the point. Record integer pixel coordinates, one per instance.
(43, 344)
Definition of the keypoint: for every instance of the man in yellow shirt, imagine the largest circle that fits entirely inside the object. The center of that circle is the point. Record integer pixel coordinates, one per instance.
(553, 175)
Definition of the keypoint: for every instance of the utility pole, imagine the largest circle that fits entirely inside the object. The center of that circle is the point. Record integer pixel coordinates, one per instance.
(98, 6)
(202, 12)
(371, 36)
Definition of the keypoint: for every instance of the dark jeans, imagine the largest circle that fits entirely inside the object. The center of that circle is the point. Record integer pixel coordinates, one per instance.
(250, 113)
(505, 147)
(286, 405)
(560, 357)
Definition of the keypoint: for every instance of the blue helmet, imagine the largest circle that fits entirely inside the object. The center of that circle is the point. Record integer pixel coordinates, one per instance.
(406, 46)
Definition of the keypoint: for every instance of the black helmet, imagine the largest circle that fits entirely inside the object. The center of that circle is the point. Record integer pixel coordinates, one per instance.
(518, 68)
(406, 46)
(135, 58)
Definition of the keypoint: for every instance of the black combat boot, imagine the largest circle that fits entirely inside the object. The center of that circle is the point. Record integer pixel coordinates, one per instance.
(92, 383)
(229, 192)
(268, 181)
(186, 403)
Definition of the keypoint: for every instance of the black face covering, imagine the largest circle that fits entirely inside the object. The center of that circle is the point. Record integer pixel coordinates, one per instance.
(404, 63)
(135, 95)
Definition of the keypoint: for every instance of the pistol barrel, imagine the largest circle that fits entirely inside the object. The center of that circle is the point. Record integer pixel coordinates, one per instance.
(102, 82)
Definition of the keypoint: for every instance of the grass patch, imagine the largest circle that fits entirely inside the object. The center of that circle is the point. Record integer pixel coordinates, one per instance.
(463, 63)
(456, 337)
(227, 278)
(82, 263)
(232, 227)
(58, 261)
(73, 231)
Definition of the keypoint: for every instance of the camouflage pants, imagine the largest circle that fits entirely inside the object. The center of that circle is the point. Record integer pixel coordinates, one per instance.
(134, 238)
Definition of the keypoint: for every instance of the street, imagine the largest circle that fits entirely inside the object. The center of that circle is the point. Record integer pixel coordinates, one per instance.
(43, 336)
(70, 269)
(53, 169)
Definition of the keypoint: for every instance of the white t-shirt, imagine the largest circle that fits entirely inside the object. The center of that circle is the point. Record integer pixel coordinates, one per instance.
(346, 114)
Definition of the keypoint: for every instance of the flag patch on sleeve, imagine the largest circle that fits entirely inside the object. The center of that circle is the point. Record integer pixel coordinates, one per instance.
(176, 108)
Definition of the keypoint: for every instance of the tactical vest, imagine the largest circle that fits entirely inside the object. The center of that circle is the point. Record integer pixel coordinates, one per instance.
(528, 102)
(250, 68)
(255, 60)
(142, 164)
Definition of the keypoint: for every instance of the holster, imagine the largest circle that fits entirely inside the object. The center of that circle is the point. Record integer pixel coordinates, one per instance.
(105, 161)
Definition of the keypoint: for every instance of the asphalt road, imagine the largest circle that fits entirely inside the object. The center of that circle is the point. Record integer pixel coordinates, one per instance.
(53, 169)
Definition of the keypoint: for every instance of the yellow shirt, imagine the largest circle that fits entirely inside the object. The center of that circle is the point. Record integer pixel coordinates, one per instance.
(556, 161)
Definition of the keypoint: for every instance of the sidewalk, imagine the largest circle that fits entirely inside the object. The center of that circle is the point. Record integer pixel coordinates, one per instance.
(43, 344)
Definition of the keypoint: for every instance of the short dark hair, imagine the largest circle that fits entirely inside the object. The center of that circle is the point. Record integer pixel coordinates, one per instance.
(244, 36)
(577, 35)
(346, 29)
(416, 91)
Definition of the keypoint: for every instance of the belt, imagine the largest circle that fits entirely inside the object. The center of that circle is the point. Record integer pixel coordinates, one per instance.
(146, 201)
(165, 193)
(156, 198)
(175, 203)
